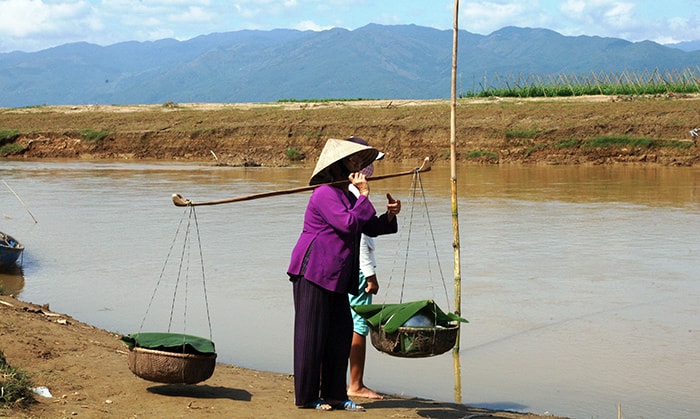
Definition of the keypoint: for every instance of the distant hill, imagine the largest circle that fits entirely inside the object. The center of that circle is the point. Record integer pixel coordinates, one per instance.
(375, 61)
(686, 46)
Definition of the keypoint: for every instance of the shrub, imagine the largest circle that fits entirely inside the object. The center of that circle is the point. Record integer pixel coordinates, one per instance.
(8, 135)
(15, 386)
(294, 155)
(479, 154)
(92, 135)
(570, 143)
(10, 149)
(521, 133)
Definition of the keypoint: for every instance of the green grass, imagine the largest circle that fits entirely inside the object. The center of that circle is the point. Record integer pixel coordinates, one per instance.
(596, 83)
(321, 100)
(521, 133)
(15, 386)
(294, 155)
(10, 149)
(93, 135)
(479, 154)
(570, 143)
(619, 141)
(681, 145)
(8, 135)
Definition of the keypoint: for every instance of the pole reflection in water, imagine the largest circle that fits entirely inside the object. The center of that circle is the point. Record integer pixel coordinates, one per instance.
(580, 283)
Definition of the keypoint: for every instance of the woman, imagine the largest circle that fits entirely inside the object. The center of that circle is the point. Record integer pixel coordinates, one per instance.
(324, 269)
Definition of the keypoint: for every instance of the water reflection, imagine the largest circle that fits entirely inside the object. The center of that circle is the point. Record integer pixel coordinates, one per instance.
(12, 280)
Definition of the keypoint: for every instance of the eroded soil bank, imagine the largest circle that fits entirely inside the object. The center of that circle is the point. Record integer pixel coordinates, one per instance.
(491, 131)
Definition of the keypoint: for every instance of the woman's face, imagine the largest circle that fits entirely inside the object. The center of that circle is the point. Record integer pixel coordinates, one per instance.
(353, 162)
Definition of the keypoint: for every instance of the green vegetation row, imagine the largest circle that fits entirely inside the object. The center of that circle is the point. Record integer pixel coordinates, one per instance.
(602, 141)
(596, 83)
(9, 147)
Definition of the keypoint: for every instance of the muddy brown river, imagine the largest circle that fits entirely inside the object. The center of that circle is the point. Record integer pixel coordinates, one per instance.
(581, 284)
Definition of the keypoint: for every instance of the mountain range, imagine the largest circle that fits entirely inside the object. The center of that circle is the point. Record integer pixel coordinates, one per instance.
(371, 62)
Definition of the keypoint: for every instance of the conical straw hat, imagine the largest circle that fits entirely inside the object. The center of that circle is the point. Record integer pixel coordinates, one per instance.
(336, 150)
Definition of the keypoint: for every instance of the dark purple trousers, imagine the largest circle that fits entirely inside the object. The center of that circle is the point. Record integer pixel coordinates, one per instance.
(322, 339)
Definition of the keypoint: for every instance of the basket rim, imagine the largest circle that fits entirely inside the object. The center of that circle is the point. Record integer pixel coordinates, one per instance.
(450, 326)
(139, 349)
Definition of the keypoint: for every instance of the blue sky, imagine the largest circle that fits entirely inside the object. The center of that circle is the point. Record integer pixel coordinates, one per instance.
(31, 25)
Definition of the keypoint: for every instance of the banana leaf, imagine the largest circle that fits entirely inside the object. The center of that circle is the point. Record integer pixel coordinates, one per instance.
(170, 342)
(393, 316)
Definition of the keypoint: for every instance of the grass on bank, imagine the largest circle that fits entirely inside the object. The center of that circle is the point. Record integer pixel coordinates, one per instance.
(93, 135)
(294, 154)
(633, 142)
(8, 135)
(11, 149)
(602, 141)
(359, 99)
(15, 386)
(596, 83)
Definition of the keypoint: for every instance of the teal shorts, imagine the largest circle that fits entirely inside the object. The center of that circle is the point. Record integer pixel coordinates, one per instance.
(360, 324)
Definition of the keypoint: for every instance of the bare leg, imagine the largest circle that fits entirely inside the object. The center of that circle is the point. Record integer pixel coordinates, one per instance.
(357, 388)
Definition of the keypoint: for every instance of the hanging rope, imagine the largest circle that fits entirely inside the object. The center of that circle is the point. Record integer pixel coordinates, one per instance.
(190, 215)
(416, 193)
(413, 329)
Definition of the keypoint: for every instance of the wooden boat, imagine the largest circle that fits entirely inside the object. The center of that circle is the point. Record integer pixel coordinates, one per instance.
(10, 249)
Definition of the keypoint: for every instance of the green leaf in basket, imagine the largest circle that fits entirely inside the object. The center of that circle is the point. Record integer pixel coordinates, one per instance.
(393, 316)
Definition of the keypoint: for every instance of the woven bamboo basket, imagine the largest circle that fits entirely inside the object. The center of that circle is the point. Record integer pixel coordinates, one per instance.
(171, 367)
(415, 342)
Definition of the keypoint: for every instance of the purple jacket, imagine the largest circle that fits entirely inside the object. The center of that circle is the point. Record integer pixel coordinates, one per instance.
(330, 239)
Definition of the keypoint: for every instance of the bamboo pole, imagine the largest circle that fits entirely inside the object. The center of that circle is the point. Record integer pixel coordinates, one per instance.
(453, 170)
(20, 201)
(180, 201)
(455, 213)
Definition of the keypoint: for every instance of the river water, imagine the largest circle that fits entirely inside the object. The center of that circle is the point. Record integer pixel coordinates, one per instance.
(581, 284)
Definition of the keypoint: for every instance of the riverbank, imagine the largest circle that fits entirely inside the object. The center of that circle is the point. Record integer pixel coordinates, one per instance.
(85, 370)
(636, 130)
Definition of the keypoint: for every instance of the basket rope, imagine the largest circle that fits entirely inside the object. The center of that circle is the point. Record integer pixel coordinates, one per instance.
(416, 193)
(190, 215)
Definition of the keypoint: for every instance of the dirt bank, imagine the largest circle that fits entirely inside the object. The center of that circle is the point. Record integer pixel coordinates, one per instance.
(493, 131)
(85, 370)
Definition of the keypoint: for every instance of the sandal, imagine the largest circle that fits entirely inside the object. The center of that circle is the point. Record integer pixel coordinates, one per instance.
(319, 404)
(349, 405)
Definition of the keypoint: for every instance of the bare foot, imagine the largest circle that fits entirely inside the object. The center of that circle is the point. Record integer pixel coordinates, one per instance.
(365, 393)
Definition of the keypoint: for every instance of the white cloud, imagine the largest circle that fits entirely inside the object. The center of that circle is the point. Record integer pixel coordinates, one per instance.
(602, 17)
(30, 25)
(309, 25)
(191, 15)
(260, 8)
(622, 19)
(485, 17)
(22, 18)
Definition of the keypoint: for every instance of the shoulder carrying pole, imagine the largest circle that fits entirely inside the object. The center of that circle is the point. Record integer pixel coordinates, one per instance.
(179, 201)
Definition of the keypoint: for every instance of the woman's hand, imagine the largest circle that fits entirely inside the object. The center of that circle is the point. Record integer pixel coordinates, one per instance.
(393, 206)
(372, 285)
(360, 181)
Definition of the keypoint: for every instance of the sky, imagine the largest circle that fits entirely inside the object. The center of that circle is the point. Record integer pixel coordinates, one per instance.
(32, 25)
